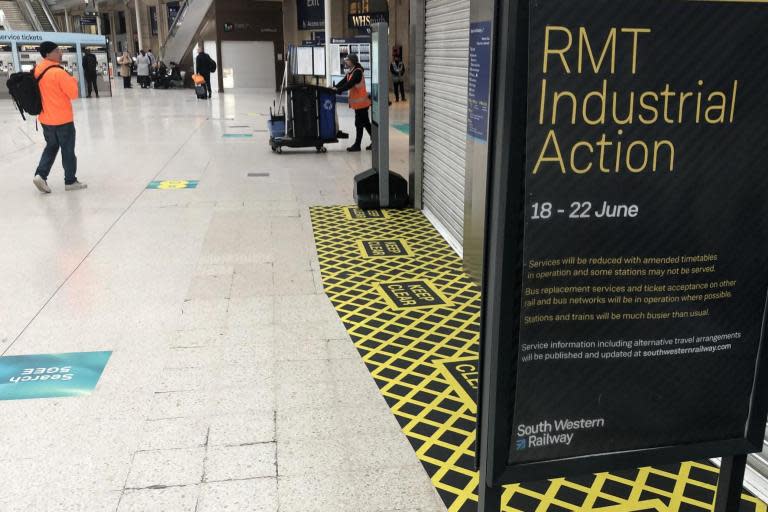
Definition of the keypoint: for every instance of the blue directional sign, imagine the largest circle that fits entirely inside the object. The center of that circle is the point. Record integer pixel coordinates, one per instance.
(50, 375)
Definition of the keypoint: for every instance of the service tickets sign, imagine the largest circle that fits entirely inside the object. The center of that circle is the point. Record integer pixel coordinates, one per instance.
(645, 245)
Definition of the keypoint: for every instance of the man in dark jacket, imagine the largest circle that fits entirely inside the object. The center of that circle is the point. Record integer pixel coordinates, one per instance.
(205, 65)
(90, 65)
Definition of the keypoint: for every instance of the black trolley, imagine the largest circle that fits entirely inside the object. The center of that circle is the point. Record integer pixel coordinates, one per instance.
(308, 121)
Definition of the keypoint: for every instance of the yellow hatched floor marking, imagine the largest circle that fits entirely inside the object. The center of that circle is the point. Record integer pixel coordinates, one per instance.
(402, 350)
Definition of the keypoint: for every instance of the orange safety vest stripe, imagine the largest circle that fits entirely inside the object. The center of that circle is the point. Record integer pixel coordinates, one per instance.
(358, 95)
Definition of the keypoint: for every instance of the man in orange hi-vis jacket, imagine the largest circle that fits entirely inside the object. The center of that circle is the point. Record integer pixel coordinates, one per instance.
(57, 90)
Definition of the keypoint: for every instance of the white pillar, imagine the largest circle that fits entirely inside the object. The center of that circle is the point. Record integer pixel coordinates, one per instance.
(98, 23)
(137, 3)
(66, 21)
(328, 21)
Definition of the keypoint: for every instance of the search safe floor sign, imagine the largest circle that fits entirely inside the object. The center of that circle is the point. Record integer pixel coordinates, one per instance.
(50, 375)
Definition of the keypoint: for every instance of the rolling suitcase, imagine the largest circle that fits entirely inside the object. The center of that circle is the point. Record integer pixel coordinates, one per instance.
(201, 91)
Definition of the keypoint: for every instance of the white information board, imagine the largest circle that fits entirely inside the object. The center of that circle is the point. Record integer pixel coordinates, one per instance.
(319, 61)
(304, 60)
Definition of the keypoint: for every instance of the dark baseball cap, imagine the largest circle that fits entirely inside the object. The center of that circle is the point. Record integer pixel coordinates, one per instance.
(47, 47)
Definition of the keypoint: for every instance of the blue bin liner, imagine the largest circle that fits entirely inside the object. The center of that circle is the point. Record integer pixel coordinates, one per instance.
(327, 104)
(276, 128)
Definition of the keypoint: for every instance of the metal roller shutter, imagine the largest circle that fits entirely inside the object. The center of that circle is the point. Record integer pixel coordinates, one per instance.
(756, 479)
(446, 63)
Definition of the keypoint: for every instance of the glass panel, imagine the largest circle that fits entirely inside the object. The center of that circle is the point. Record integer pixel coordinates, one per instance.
(6, 66)
(29, 56)
(153, 19)
(69, 60)
(229, 78)
(173, 10)
(102, 71)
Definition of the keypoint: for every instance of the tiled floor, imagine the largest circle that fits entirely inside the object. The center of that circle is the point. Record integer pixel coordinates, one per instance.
(232, 384)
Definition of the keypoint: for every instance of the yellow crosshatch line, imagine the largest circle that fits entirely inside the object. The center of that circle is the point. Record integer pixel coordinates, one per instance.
(349, 209)
(432, 288)
(364, 253)
(404, 350)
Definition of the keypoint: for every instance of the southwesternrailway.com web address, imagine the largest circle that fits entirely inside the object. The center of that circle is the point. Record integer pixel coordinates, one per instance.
(622, 349)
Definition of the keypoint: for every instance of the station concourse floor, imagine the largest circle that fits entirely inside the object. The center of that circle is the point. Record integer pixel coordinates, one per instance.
(232, 383)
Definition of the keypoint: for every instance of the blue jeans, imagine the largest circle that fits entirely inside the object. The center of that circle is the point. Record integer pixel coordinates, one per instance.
(56, 137)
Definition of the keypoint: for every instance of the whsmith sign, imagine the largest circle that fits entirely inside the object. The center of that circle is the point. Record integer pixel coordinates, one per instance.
(624, 315)
(364, 20)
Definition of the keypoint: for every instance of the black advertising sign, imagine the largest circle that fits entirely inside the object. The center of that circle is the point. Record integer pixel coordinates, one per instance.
(310, 14)
(478, 86)
(643, 270)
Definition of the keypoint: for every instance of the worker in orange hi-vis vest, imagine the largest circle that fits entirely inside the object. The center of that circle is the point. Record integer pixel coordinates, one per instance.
(57, 90)
(354, 82)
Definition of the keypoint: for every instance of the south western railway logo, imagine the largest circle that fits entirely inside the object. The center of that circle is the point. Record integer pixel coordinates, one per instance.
(553, 433)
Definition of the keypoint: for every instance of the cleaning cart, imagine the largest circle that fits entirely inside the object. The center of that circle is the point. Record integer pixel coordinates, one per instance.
(309, 120)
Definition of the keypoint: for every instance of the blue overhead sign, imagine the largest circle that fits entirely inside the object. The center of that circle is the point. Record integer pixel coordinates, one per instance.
(310, 14)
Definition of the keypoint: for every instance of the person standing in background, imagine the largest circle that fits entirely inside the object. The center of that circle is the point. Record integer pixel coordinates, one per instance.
(397, 69)
(205, 65)
(142, 69)
(126, 62)
(57, 90)
(90, 67)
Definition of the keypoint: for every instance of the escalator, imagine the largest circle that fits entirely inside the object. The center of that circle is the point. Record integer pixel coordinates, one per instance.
(13, 17)
(28, 15)
(43, 15)
(192, 16)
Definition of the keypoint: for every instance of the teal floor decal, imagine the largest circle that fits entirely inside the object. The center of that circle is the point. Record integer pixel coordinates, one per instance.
(405, 128)
(172, 184)
(237, 135)
(50, 375)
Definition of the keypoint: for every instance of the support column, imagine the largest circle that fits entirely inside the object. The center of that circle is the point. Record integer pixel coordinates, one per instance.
(328, 25)
(113, 18)
(67, 27)
(137, 5)
(129, 31)
(162, 25)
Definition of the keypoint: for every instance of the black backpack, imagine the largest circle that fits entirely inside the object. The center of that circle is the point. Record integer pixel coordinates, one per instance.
(212, 64)
(25, 91)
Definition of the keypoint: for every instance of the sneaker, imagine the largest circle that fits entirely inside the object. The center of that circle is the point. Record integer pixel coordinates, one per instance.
(41, 184)
(353, 149)
(369, 147)
(75, 186)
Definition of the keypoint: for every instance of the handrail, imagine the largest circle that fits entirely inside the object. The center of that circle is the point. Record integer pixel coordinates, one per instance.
(48, 14)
